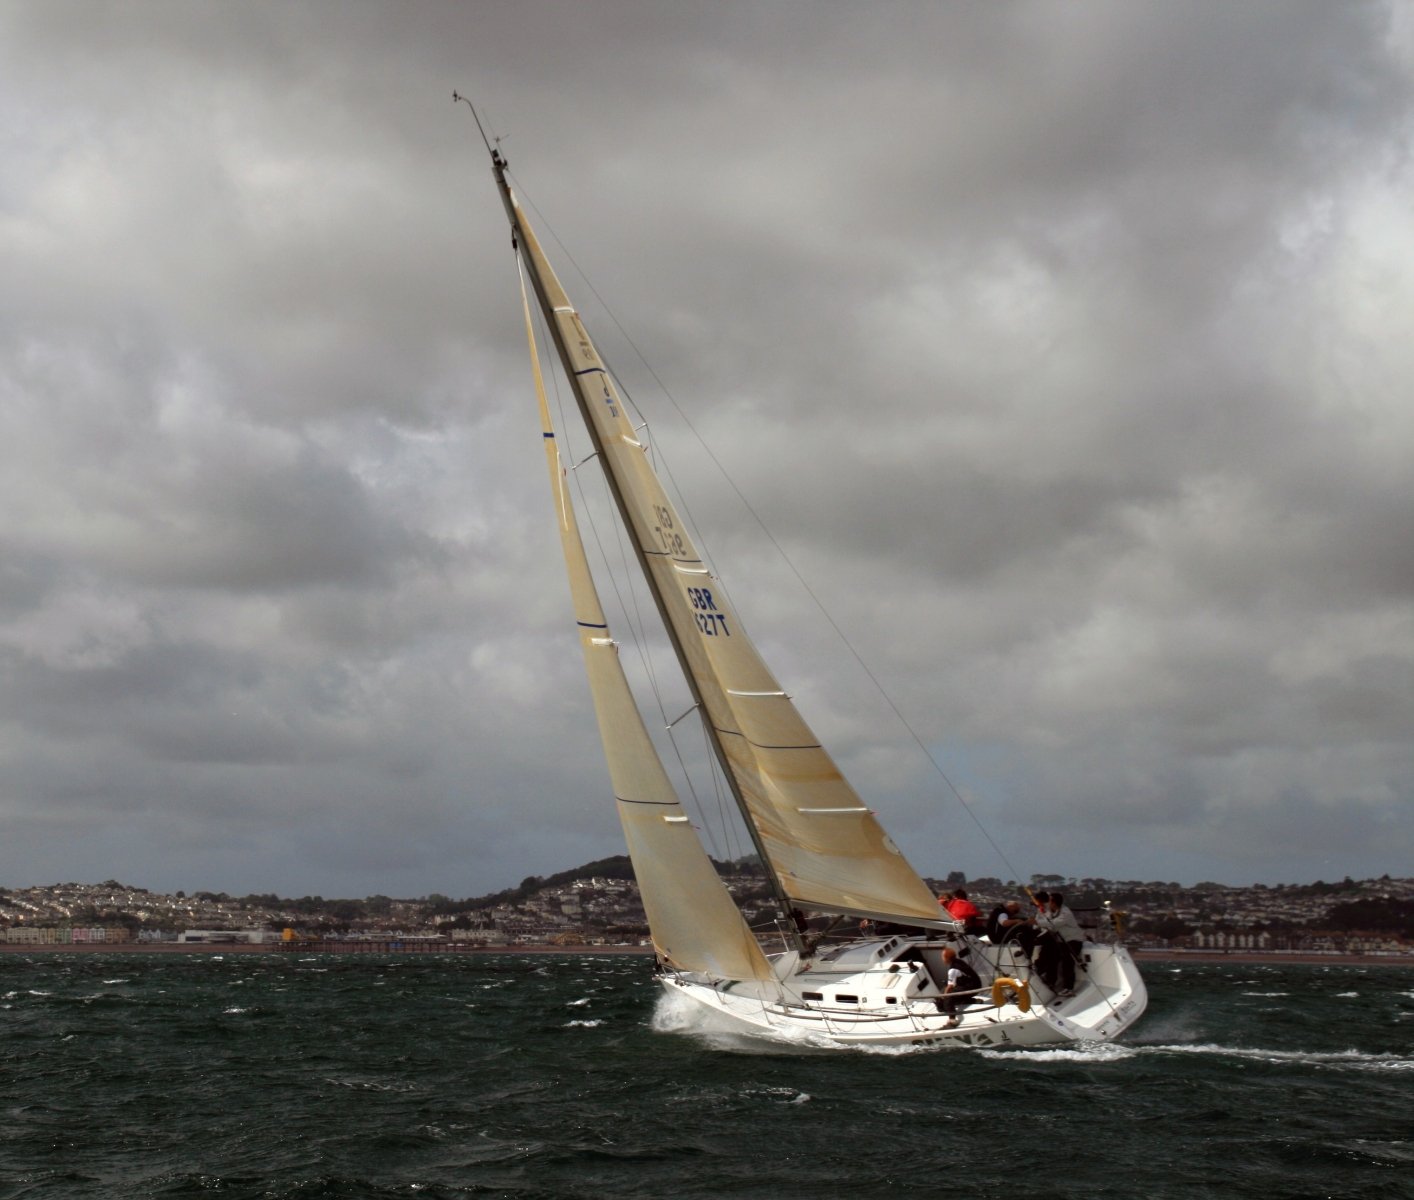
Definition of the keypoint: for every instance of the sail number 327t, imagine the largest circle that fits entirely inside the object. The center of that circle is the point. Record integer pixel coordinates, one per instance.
(709, 620)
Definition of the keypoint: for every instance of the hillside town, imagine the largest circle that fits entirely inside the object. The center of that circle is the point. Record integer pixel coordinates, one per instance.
(599, 905)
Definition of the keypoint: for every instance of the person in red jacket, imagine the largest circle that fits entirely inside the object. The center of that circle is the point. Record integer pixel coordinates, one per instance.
(960, 908)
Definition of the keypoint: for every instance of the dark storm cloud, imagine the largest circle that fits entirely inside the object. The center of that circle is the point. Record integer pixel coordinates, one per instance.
(1060, 345)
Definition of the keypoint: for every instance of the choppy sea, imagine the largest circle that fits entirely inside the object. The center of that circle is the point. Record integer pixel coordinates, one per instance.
(557, 1076)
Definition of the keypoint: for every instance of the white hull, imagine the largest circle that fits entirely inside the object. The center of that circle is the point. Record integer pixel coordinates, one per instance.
(883, 992)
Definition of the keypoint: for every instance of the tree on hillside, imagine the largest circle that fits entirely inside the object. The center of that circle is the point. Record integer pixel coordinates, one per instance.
(1385, 915)
(1168, 927)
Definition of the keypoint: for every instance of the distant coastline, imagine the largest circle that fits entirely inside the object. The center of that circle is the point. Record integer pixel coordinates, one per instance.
(1243, 957)
(1272, 957)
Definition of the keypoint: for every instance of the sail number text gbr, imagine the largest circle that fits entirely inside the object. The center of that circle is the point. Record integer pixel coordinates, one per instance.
(704, 609)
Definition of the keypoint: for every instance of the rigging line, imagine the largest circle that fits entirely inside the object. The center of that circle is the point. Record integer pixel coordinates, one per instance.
(755, 516)
(726, 806)
(663, 467)
(634, 633)
(630, 585)
(643, 647)
(621, 535)
(700, 810)
(785, 557)
(623, 387)
(638, 629)
(632, 614)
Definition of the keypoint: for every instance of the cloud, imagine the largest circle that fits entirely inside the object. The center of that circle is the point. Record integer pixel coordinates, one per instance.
(1062, 350)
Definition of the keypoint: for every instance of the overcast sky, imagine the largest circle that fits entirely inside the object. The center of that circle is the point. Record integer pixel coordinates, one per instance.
(1064, 348)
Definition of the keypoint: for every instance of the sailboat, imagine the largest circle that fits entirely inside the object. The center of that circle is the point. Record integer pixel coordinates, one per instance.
(824, 851)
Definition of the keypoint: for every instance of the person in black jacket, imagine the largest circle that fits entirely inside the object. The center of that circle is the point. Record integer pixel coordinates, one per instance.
(1006, 924)
(959, 988)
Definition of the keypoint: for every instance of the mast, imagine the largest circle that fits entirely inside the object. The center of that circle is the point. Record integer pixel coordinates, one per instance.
(522, 234)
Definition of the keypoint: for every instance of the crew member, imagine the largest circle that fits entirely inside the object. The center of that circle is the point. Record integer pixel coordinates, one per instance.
(961, 985)
(1064, 941)
(962, 910)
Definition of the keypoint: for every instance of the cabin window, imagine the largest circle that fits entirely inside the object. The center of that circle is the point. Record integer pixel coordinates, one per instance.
(841, 998)
(890, 999)
(812, 995)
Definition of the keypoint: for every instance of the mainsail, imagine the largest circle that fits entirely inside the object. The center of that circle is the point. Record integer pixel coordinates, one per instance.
(824, 847)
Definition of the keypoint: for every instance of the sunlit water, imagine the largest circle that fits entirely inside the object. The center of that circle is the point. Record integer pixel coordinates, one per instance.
(568, 1076)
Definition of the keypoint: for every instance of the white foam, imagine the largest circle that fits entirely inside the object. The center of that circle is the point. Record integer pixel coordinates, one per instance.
(788, 1094)
(1084, 1052)
(1346, 995)
(1266, 993)
(580, 1003)
(583, 1024)
(1358, 1060)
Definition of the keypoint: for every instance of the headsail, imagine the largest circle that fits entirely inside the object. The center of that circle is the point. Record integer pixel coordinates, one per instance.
(694, 922)
(825, 848)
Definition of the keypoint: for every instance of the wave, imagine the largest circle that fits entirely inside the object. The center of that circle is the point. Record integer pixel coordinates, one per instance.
(788, 1095)
(1113, 1052)
(1084, 1052)
(1359, 1060)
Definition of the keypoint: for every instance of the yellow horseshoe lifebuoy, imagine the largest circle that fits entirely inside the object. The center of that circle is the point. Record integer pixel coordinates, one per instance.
(1019, 986)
